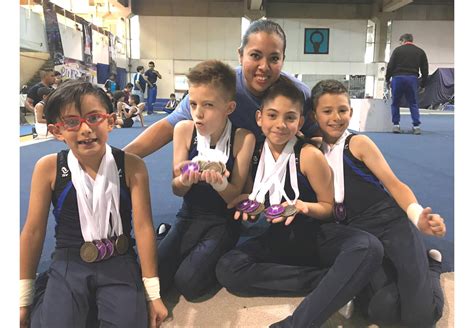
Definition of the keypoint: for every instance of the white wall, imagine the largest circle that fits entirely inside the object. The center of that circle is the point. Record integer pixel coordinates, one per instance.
(188, 40)
(346, 47)
(436, 38)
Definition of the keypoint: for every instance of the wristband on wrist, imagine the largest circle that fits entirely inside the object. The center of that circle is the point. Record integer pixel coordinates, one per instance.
(413, 211)
(27, 292)
(152, 288)
(220, 186)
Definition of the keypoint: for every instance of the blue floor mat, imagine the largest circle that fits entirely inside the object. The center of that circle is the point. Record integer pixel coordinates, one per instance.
(26, 130)
(425, 163)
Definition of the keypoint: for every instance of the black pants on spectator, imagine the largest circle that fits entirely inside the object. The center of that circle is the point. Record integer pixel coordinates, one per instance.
(329, 263)
(188, 254)
(404, 290)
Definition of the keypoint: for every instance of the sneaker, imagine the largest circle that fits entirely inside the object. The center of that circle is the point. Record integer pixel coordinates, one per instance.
(416, 130)
(347, 310)
(162, 230)
(396, 128)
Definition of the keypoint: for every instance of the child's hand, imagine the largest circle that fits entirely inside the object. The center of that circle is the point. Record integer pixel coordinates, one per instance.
(187, 178)
(300, 207)
(157, 312)
(431, 224)
(24, 317)
(238, 214)
(213, 177)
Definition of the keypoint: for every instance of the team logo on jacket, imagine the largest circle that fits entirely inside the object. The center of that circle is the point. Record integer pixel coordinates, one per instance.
(64, 171)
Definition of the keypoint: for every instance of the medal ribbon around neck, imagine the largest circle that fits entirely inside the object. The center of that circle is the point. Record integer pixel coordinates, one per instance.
(98, 199)
(222, 150)
(270, 173)
(334, 156)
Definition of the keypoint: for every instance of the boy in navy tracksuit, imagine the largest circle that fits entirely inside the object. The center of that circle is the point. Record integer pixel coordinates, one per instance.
(287, 258)
(93, 188)
(407, 289)
(204, 228)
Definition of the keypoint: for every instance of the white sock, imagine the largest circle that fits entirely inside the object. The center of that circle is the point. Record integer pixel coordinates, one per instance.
(435, 255)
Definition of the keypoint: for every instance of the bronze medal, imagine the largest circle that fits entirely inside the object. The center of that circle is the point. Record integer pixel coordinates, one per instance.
(121, 244)
(201, 165)
(223, 168)
(89, 252)
(257, 211)
(290, 210)
(212, 166)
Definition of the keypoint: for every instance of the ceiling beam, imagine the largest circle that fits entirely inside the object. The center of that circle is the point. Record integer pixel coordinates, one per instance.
(392, 5)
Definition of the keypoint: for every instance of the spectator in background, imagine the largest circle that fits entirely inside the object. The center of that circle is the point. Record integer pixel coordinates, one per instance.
(23, 92)
(110, 84)
(58, 79)
(403, 70)
(32, 98)
(151, 76)
(41, 126)
(171, 104)
(139, 83)
(127, 91)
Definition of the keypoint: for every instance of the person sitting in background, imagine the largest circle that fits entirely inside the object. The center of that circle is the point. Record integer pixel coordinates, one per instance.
(127, 91)
(171, 104)
(110, 85)
(41, 128)
(132, 112)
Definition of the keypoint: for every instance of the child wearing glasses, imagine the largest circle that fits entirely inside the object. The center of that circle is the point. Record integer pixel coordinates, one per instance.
(93, 188)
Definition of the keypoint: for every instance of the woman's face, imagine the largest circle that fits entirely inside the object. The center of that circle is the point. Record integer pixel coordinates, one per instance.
(262, 61)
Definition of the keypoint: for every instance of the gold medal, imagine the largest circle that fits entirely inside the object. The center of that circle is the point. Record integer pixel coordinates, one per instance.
(121, 244)
(89, 252)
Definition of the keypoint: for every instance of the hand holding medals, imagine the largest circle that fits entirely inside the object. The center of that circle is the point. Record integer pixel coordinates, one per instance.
(289, 212)
(269, 178)
(198, 170)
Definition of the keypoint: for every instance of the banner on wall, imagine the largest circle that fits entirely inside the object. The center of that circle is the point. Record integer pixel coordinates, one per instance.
(87, 43)
(76, 70)
(316, 41)
(53, 34)
(112, 54)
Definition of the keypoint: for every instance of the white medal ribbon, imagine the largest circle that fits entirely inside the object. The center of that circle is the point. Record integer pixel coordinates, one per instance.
(98, 200)
(270, 175)
(335, 157)
(221, 151)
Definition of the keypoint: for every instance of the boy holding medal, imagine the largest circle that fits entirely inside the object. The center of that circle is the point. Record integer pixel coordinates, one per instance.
(410, 292)
(93, 188)
(286, 259)
(211, 159)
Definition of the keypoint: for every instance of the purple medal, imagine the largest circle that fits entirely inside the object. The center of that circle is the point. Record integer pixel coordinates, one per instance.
(109, 246)
(101, 248)
(189, 167)
(244, 205)
(274, 211)
(339, 212)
